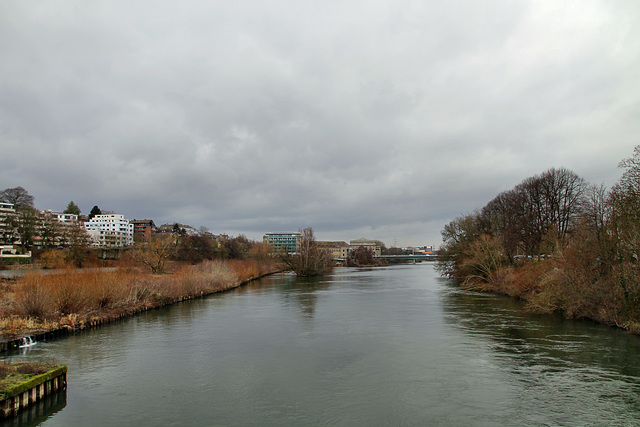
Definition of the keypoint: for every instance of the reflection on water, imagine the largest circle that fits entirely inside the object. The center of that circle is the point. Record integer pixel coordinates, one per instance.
(388, 346)
(540, 338)
(36, 414)
(566, 365)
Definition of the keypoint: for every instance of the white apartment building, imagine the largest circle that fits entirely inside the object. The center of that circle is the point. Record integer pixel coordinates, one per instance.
(62, 217)
(110, 231)
(8, 231)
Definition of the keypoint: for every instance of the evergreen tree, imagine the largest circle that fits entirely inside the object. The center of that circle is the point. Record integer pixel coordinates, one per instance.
(72, 209)
(94, 211)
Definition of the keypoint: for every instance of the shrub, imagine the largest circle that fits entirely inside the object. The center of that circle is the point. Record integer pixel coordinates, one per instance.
(32, 298)
(53, 258)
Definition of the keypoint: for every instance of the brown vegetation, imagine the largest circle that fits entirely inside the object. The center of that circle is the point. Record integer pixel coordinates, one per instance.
(363, 256)
(75, 298)
(558, 243)
(309, 260)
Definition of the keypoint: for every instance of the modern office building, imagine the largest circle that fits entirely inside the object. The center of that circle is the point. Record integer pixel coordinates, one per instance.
(283, 241)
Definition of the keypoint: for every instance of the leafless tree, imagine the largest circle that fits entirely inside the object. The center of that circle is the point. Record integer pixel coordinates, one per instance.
(309, 260)
(18, 196)
(156, 253)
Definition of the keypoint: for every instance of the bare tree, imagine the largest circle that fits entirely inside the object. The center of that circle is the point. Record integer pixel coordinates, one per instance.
(28, 222)
(157, 253)
(538, 214)
(309, 260)
(18, 196)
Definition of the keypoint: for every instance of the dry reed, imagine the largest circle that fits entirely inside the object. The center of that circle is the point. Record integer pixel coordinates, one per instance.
(75, 299)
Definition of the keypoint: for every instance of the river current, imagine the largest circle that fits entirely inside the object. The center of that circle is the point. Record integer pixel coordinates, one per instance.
(391, 346)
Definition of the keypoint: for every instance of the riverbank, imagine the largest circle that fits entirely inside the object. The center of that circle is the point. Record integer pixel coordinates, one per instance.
(555, 285)
(40, 304)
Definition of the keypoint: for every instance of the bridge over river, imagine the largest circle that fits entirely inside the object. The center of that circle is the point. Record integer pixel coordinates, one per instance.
(414, 257)
(409, 257)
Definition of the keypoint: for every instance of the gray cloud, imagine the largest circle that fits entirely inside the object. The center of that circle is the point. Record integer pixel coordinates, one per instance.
(385, 119)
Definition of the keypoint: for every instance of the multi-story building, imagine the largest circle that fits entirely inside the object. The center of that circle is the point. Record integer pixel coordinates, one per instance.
(143, 228)
(110, 231)
(8, 230)
(370, 244)
(339, 250)
(62, 217)
(287, 242)
(54, 229)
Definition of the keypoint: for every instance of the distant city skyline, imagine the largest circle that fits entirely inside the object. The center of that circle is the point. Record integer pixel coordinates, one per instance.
(383, 120)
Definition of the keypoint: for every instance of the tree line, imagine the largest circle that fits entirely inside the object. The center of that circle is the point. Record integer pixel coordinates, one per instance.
(27, 225)
(56, 242)
(558, 242)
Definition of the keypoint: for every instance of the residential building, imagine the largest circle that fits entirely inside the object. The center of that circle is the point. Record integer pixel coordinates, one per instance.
(186, 230)
(62, 217)
(55, 229)
(286, 241)
(143, 228)
(8, 231)
(110, 231)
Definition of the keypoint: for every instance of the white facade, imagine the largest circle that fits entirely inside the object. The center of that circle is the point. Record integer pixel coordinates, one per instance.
(110, 231)
(62, 217)
(8, 231)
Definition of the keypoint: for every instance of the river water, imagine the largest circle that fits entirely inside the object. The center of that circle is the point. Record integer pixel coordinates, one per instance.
(392, 346)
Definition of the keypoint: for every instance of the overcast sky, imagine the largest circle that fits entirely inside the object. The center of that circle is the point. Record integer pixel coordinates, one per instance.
(383, 119)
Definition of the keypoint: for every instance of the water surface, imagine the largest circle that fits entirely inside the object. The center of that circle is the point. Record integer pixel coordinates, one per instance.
(393, 346)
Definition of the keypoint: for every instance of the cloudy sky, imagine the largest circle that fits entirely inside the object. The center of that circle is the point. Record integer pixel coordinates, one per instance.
(383, 119)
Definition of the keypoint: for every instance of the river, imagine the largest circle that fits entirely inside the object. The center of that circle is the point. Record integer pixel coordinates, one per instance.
(391, 346)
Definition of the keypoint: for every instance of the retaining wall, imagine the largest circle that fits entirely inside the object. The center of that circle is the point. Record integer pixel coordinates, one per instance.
(21, 396)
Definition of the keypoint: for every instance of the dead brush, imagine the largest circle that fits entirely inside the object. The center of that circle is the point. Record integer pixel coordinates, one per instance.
(69, 291)
(72, 297)
(31, 368)
(105, 290)
(33, 298)
(218, 275)
(17, 325)
(245, 269)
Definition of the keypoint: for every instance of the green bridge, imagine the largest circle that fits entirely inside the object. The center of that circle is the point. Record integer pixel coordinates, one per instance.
(422, 257)
(413, 257)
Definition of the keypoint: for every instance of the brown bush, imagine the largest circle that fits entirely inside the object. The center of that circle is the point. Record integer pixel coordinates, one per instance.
(32, 298)
(73, 298)
(53, 258)
(481, 263)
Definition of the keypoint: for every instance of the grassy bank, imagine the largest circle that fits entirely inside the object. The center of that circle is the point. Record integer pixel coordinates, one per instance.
(76, 299)
(14, 375)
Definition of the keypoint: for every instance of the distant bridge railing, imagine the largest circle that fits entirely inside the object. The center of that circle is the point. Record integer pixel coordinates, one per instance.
(412, 257)
(423, 257)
